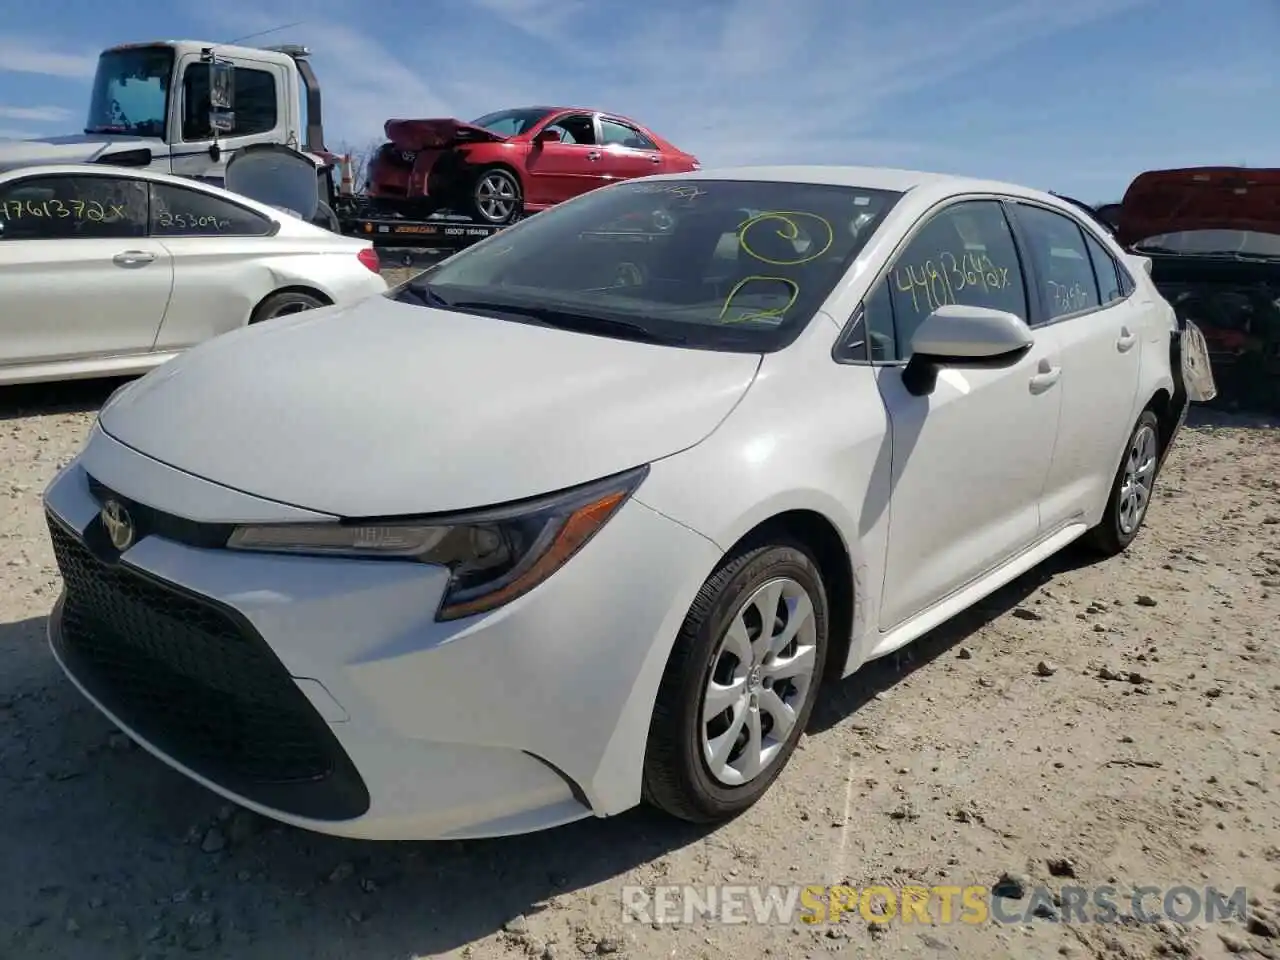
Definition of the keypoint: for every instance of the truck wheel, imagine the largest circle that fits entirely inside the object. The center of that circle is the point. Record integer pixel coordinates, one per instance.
(284, 303)
(496, 196)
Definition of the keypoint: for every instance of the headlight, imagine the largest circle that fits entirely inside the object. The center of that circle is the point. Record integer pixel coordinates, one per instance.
(494, 556)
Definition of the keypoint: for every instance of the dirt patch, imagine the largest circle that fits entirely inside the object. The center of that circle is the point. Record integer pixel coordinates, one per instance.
(1108, 723)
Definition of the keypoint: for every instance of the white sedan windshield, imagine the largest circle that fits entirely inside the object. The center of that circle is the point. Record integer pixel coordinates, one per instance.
(734, 264)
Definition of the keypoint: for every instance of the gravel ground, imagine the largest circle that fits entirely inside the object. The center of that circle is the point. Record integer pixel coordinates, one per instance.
(1098, 723)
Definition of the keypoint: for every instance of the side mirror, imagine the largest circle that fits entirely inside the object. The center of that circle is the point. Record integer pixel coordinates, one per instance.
(955, 335)
(222, 96)
(548, 136)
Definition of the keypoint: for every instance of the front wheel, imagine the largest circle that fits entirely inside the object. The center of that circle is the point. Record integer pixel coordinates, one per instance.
(496, 196)
(1131, 490)
(739, 686)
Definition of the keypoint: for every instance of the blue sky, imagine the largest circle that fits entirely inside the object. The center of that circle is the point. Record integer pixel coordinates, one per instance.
(1070, 95)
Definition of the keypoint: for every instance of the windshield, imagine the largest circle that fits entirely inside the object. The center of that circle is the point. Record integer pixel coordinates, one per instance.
(510, 123)
(735, 265)
(1225, 243)
(131, 92)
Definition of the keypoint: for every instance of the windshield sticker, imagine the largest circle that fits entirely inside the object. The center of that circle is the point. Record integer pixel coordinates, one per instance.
(79, 210)
(768, 313)
(786, 224)
(938, 283)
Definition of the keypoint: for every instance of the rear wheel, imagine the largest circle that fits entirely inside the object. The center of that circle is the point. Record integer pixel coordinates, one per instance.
(284, 303)
(740, 684)
(496, 196)
(1132, 488)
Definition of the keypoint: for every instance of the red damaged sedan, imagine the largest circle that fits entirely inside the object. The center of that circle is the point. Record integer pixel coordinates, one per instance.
(513, 161)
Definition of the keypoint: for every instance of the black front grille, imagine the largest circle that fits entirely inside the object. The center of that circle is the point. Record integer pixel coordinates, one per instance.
(197, 681)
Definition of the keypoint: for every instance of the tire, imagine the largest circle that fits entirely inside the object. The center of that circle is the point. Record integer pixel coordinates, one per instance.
(496, 196)
(678, 778)
(283, 303)
(1124, 517)
(326, 219)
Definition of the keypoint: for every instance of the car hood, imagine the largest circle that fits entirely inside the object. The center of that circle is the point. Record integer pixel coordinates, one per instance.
(382, 408)
(75, 148)
(435, 134)
(1200, 198)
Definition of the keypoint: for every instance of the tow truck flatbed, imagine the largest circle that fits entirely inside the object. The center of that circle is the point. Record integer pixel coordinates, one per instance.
(435, 234)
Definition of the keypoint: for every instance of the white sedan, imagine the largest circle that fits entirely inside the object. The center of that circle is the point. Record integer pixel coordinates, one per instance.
(585, 514)
(109, 271)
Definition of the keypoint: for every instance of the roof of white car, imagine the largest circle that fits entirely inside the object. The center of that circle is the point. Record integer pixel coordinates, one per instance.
(289, 223)
(872, 178)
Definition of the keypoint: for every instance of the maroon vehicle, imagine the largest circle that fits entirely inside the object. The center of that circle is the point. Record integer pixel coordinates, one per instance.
(512, 162)
(1212, 235)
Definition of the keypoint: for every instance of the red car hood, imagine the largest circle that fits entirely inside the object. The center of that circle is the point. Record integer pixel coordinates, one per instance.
(1200, 198)
(436, 134)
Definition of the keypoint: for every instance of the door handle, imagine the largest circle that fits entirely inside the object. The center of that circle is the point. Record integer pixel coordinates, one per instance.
(655, 159)
(1126, 341)
(1046, 376)
(593, 155)
(133, 258)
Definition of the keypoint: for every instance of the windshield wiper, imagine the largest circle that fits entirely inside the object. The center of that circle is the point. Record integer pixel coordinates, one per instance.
(422, 292)
(568, 320)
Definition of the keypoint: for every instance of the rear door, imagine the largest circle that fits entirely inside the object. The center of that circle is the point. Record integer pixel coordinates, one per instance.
(628, 153)
(1080, 291)
(560, 171)
(79, 278)
(219, 269)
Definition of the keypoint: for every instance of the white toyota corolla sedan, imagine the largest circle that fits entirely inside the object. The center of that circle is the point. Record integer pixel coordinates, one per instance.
(111, 271)
(585, 514)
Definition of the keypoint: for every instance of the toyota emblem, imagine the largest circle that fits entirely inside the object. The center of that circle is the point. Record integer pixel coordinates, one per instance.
(118, 524)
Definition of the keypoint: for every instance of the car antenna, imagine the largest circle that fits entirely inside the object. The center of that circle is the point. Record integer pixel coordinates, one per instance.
(262, 33)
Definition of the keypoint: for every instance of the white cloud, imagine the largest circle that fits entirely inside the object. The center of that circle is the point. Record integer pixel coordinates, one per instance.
(36, 114)
(20, 54)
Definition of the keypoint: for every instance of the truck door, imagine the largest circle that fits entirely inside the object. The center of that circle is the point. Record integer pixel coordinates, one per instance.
(262, 114)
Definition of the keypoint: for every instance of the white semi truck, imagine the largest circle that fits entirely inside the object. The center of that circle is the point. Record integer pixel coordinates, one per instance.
(187, 107)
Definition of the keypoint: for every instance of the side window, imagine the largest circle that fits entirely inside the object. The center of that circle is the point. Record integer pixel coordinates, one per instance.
(577, 128)
(1062, 261)
(964, 255)
(179, 212)
(255, 103)
(613, 133)
(1104, 268)
(73, 208)
(1127, 283)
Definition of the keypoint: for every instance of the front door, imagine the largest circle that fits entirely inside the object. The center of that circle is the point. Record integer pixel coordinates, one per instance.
(969, 460)
(563, 170)
(261, 116)
(79, 276)
(1100, 335)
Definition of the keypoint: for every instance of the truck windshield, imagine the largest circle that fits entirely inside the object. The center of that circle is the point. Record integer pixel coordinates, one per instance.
(131, 92)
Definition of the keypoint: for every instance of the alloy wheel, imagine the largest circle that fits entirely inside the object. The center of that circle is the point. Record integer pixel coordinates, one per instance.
(496, 196)
(1134, 494)
(759, 680)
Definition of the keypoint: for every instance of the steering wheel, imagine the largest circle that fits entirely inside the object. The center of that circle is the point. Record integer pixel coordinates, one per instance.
(117, 111)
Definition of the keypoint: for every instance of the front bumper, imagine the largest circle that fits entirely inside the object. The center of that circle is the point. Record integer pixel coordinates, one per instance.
(321, 692)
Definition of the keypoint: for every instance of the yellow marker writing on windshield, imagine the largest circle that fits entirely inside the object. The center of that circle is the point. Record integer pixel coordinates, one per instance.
(770, 313)
(787, 223)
